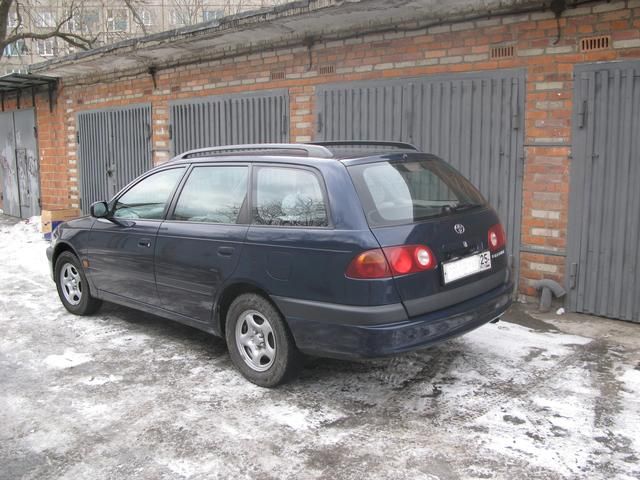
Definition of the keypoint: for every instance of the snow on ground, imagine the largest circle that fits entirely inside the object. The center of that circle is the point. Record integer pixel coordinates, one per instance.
(123, 394)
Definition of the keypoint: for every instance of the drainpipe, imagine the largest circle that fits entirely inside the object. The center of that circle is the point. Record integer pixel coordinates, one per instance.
(548, 288)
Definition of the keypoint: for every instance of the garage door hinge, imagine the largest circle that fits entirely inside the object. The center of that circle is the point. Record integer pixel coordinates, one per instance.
(78, 138)
(35, 132)
(573, 274)
(170, 132)
(319, 123)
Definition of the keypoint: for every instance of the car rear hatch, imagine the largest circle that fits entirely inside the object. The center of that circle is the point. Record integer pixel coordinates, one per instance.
(413, 201)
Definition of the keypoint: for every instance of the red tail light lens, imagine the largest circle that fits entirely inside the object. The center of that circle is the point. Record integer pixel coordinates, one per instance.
(390, 261)
(496, 238)
(369, 264)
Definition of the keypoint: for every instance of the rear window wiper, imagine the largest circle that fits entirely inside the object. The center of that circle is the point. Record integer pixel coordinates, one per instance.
(460, 206)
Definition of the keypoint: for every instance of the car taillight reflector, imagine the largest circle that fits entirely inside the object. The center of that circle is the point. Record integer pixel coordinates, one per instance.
(390, 261)
(496, 238)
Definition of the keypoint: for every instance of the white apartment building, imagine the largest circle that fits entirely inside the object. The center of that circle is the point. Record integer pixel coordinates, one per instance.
(107, 22)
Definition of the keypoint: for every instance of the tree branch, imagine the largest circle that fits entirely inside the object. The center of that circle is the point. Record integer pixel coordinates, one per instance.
(136, 15)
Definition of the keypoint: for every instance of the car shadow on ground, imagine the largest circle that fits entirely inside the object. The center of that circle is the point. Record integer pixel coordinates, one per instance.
(395, 372)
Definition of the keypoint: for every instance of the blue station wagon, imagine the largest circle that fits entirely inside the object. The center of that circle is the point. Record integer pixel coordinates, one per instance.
(340, 249)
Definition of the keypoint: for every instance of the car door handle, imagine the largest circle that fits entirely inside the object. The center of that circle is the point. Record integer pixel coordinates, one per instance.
(144, 242)
(225, 251)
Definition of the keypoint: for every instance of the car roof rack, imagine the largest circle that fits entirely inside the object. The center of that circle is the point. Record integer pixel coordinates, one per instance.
(366, 143)
(310, 150)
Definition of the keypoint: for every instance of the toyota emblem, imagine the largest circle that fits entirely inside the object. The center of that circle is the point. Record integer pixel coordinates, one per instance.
(459, 228)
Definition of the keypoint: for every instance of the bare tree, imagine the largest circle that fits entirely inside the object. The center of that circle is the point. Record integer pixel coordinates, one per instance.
(29, 19)
(187, 12)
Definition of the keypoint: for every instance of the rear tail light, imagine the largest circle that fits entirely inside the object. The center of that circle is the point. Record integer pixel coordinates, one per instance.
(369, 264)
(391, 261)
(496, 238)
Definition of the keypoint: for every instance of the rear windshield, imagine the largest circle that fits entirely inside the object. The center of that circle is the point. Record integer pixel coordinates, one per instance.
(401, 192)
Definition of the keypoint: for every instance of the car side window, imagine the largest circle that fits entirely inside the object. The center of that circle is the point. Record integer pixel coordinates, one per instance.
(213, 194)
(148, 198)
(289, 197)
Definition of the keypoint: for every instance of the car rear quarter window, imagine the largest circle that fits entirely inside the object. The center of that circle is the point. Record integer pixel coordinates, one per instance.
(213, 194)
(288, 197)
(401, 192)
(148, 198)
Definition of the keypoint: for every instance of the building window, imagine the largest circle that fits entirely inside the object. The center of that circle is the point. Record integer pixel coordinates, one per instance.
(75, 24)
(176, 18)
(44, 19)
(46, 48)
(117, 20)
(15, 49)
(145, 17)
(9, 71)
(12, 20)
(209, 15)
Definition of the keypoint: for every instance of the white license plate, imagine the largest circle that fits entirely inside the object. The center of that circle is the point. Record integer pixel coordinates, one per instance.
(466, 266)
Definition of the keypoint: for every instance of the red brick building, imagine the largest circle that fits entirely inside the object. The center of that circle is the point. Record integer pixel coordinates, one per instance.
(313, 51)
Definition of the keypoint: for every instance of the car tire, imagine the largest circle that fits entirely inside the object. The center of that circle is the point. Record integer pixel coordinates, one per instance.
(72, 285)
(260, 343)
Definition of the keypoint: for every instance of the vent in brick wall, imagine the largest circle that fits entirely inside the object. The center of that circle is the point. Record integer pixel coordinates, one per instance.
(277, 75)
(591, 44)
(327, 70)
(502, 51)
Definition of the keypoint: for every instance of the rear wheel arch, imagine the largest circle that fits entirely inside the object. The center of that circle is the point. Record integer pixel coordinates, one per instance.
(228, 295)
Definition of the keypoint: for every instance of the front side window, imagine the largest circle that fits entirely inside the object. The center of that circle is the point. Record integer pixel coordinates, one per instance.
(213, 195)
(289, 197)
(401, 192)
(148, 198)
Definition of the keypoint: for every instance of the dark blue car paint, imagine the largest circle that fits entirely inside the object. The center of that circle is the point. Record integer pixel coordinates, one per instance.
(186, 268)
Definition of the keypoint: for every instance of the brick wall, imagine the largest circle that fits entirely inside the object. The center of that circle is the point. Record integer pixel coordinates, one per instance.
(460, 47)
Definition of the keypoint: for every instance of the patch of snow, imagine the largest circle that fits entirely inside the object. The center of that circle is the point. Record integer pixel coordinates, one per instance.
(102, 379)
(27, 245)
(297, 418)
(67, 360)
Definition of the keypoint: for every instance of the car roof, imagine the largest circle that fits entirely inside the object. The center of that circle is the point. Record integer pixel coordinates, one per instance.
(298, 153)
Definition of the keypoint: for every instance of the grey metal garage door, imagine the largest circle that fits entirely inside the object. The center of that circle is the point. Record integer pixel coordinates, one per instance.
(604, 218)
(19, 166)
(114, 147)
(473, 121)
(257, 117)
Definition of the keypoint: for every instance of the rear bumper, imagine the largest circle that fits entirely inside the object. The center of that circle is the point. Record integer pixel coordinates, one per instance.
(340, 331)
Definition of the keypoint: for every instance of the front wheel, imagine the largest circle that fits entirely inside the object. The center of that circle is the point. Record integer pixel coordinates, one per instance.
(259, 342)
(72, 285)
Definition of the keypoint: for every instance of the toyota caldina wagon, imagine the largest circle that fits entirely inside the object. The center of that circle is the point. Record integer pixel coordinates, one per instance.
(340, 249)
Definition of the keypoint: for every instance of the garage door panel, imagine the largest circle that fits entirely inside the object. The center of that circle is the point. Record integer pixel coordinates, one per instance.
(605, 198)
(114, 147)
(473, 121)
(258, 117)
(8, 167)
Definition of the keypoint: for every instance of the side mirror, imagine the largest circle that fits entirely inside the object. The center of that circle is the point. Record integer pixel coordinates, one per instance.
(99, 209)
